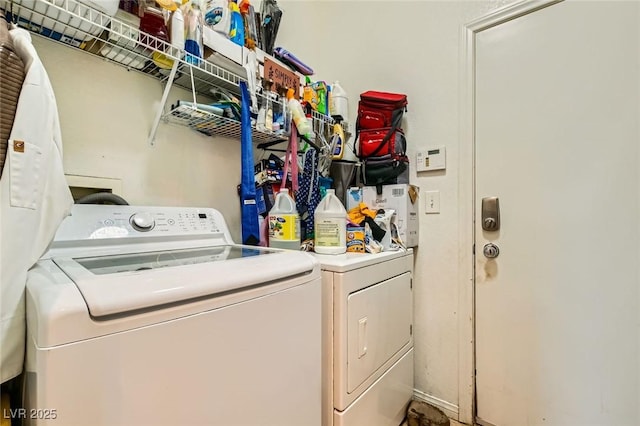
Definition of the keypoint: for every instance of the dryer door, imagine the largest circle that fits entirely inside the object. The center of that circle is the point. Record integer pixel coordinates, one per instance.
(379, 326)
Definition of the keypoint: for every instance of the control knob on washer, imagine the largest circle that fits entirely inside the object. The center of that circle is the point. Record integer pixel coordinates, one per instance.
(142, 222)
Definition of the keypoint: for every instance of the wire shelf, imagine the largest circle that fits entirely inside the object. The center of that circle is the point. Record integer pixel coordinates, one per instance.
(320, 121)
(89, 30)
(215, 125)
(80, 26)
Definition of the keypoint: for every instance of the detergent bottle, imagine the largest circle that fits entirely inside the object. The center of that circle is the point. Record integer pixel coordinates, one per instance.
(217, 15)
(236, 24)
(284, 222)
(337, 142)
(330, 225)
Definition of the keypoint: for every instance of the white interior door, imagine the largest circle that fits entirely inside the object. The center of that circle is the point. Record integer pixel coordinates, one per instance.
(556, 133)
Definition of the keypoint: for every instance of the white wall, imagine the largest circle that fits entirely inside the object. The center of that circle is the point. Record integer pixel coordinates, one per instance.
(106, 114)
(413, 48)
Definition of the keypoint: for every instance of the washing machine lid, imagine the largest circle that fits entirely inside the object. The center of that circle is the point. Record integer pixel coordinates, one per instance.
(115, 284)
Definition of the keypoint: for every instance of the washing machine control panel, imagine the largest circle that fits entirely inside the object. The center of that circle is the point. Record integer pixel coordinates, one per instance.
(106, 221)
(179, 221)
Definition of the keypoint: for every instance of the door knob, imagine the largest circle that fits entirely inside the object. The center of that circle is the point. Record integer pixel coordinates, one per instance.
(490, 251)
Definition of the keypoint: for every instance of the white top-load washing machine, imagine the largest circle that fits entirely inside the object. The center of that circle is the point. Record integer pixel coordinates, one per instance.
(367, 318)
(152, 316)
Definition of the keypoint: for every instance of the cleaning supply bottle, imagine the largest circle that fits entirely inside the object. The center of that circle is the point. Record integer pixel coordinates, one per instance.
(236, 24)
(337, 142)
(339, 105)
(268, 123)
(217, 15)
(177, 29)
(194, 23)
(297, 114)
(308, 94)
(284, 222)
(261, 120)
(330, 225)
(320, 88)
(250, 29)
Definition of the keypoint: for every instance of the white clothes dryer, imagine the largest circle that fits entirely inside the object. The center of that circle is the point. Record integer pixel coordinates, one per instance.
(152, 316)
(367, 319)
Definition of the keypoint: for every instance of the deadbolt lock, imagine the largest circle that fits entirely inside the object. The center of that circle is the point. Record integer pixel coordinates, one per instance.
(490, 214)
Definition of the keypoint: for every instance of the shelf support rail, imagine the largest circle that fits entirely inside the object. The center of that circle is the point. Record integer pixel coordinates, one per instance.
(163, 101)
(193, 87)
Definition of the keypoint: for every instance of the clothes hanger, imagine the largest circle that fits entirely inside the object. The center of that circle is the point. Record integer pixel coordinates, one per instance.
(265, 145)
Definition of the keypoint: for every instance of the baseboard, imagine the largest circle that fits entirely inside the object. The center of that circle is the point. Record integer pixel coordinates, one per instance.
(451, 410)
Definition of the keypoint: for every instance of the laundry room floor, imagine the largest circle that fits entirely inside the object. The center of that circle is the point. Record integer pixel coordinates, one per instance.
(420, 413)
(451, 423)
(455, 423)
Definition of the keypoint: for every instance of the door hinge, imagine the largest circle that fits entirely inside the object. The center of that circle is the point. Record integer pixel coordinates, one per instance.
(411, 330)
(473, 250)
(411, 283)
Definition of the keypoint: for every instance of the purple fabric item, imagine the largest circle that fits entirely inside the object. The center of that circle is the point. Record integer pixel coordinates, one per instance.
(290, 59)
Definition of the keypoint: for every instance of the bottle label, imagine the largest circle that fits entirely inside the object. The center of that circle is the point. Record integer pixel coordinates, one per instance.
(284, 227)
(213, 16)
(327, 233)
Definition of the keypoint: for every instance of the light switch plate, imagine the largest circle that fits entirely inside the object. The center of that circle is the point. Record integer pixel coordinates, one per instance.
(432, 202)
(431, 158)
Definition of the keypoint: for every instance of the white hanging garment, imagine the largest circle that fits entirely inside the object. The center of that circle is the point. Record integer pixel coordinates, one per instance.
(34, 199)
